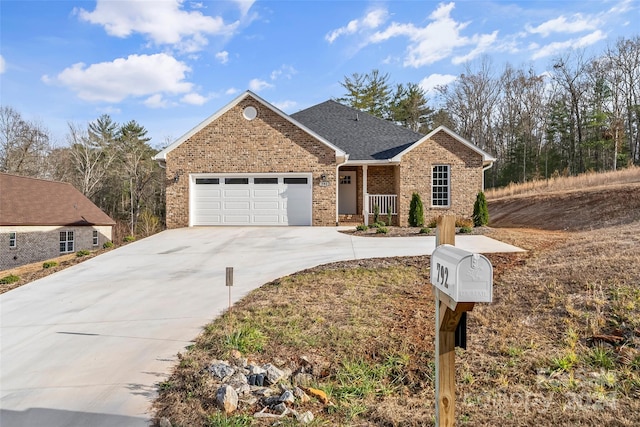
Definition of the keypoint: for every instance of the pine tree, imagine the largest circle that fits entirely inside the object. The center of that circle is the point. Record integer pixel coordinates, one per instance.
(416, 211)
(480, 211)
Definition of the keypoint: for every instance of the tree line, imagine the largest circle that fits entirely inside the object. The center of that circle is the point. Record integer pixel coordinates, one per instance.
(582, 114)
(110, 163)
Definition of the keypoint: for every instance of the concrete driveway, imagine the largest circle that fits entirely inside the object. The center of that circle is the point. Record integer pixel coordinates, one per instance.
(87, 346)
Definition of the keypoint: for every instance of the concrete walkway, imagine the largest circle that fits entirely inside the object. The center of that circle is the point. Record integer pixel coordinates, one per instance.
(87, 346)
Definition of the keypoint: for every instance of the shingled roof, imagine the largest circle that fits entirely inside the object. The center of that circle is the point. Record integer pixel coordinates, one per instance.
(361, 135)
(31, 201)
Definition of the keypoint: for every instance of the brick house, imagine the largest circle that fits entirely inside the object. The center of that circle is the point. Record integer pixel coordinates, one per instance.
(41, 219)
(252, 164)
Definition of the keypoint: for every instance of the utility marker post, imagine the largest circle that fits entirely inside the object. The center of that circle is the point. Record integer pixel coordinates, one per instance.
(229, 282)
(459, 279)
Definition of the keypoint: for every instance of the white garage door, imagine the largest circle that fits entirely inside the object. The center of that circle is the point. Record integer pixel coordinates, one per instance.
(271, 199)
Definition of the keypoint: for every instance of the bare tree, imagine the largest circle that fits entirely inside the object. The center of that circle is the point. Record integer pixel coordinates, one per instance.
(24, 146)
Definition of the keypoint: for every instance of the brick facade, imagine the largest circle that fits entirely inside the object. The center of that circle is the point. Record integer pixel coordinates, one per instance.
(40, 243)
(415, 176)
(267, 144)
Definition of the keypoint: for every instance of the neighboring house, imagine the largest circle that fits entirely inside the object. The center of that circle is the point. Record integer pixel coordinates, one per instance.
(40, 220)
(252, 164)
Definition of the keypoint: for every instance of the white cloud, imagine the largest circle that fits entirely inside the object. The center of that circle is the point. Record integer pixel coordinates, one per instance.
(134, 76)
(557, 47)
(231, 91)
(429, 83)
(194, 99)
(244, 5)
(437, 40)
(3, 65)
(286, 71)
(256, 85)
(223, 57)
(575, 24)
(372, 20)
(156, 101)
(285, 105)
(164, 22)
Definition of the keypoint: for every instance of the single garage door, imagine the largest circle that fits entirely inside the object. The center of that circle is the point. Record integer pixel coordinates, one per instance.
(270, 199)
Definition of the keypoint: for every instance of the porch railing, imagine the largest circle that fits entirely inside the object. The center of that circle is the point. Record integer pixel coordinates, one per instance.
(384, 203)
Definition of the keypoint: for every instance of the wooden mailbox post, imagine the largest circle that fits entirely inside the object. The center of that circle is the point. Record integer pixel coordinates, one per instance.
(460, 279)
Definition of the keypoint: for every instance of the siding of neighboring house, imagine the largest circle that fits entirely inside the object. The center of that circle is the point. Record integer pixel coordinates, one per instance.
(415, 176)
(40, 243)
(266, 144)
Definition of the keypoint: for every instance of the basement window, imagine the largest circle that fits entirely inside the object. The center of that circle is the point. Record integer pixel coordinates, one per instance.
(95, 237)
(66, 242)
(13, 240)
(440, 186)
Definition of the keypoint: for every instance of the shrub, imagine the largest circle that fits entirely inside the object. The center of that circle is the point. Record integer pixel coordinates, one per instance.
(378, 224)
(108, 244)
(425, 230)
(376, 214)
(49, 264)
(416, 211)
(465, 230)
(480, 211)
(362, 227)
(12, 278)
(464, 222)
(82, 253)
(433, 223)
(128, 239)
(389, 216)
(382, 230)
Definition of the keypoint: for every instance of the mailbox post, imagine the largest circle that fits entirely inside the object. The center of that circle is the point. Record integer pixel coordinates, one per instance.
(460, 279)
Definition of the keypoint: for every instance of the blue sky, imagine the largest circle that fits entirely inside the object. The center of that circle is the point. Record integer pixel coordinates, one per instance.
(169, 64)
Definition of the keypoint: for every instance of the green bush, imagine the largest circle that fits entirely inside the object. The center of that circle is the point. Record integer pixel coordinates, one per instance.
(416, 211)
(389, 216)
(108, 244)
(378, 224)
(128, 239)
(82, 253)
(465, 230)
(49, 264)
(480, 211)
(382, 230)
(12, 278)
(425, 230)
(433, 223)
(362, 227)
(376, 214)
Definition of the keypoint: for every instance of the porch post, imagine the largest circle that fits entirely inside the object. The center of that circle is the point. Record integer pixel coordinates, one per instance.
(365, 196)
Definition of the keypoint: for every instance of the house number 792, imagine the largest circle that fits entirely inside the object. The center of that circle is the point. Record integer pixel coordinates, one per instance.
(443, 275)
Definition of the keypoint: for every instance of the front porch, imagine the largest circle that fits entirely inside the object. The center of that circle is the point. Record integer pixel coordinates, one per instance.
(364, 190)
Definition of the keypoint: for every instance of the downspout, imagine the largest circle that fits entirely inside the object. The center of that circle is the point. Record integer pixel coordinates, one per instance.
(346, 159)
(484, 169)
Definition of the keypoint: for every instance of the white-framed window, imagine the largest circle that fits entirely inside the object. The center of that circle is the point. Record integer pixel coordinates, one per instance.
(441, 186)
(66, 242)
(95, 237)
(13, 240)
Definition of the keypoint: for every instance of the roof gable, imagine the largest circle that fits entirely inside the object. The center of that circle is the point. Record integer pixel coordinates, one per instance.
(362, 135)
(486, 157)
(31, 201)
(162, 155)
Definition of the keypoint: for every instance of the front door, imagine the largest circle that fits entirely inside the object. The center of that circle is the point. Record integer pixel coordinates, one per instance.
(347, 193)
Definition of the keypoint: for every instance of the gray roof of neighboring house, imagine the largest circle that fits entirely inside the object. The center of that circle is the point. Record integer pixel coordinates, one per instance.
(360, 134)
(31, 201)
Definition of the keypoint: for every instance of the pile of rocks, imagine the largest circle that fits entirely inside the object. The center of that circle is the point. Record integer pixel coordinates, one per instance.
(280, 392)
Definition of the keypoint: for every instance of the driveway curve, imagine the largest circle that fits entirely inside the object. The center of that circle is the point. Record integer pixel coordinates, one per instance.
(86, 346)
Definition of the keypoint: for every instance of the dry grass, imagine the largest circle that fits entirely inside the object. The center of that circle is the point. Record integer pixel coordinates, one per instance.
(560, 344)
(562, 184)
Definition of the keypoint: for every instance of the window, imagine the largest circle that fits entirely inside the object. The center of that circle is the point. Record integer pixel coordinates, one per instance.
(265, 180)
(207, 180)
(66, 242)
(12, 239)
(295, 180)
(440, 183)
(345, 179)
(95, 237)
(236, 180)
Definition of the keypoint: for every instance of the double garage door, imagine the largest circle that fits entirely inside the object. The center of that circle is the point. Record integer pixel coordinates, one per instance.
(267, 199)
